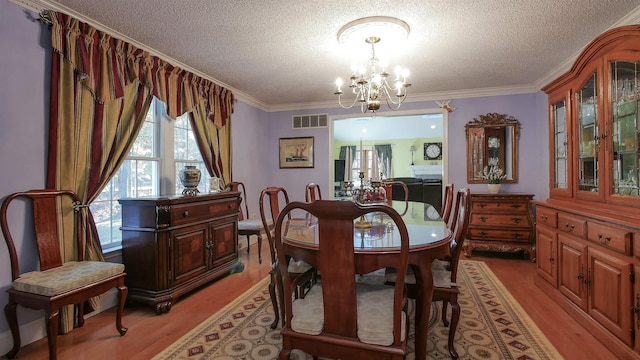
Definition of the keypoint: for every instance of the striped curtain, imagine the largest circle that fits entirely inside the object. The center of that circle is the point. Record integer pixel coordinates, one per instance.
(101, 90)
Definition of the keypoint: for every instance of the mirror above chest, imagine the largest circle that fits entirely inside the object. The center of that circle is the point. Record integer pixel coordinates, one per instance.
(492, 139)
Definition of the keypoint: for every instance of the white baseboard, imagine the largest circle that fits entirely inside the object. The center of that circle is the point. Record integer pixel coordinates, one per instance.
(35, 330)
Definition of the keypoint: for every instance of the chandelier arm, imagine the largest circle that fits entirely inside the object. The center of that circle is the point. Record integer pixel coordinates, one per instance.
(352, 104)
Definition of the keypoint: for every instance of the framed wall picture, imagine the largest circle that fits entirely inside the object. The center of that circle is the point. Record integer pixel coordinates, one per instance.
(296, 152)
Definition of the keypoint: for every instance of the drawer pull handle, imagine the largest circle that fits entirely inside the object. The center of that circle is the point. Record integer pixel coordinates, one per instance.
(516, 220)
(186, 213)
(481, 205)
(517, 235)
(544, 218)
(483, 234)
(604, 240)
(483, 218)
(568, 228)
(516, 206)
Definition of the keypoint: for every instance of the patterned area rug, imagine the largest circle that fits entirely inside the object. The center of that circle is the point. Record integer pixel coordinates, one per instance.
(492, 326)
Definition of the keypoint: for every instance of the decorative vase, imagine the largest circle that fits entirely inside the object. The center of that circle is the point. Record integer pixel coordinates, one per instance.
(190, 179)
(493, 188)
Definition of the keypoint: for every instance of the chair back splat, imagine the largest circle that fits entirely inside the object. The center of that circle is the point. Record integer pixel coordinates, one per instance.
(340, 317)
(312, 192)
(57, 284)
(447, 203)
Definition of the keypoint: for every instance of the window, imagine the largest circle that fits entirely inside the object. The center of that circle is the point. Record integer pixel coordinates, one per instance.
(161, 149)
(364, 166)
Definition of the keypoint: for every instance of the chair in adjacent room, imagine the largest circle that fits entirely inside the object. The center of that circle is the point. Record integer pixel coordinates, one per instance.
(312, 192)
(447, 203)
(272, 199)
(246, 226)
(445, 271)
(56, 283)
(341, 318)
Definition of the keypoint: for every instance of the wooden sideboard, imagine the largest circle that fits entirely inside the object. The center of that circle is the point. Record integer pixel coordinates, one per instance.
(172, 245)
(500, 222)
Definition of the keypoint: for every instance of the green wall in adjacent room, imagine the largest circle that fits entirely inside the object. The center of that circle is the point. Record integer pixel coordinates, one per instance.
(401, 154)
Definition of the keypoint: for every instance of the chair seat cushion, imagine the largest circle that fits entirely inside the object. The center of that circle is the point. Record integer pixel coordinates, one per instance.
(375, 313)
(298, 267)
(441, 276)
(251, 225)
(70, 276)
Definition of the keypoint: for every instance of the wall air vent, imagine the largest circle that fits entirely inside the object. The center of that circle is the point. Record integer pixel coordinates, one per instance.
(309, 121)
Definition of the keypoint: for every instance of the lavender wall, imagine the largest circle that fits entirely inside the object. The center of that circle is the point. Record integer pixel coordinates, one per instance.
(25, 46)
(529, 109)
(24, 70)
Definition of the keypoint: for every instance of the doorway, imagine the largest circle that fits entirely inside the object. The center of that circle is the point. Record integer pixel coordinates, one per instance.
(408, 133)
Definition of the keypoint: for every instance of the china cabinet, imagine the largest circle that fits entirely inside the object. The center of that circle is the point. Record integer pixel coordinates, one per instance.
(172, 245)
(587, 232)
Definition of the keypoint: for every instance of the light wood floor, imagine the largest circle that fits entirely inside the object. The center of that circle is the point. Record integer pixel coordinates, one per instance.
(149, 333)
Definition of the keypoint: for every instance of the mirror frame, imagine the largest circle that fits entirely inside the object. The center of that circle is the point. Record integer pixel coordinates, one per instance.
(491, 121)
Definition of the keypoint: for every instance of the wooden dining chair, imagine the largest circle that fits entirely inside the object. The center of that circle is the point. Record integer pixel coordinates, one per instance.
(447, 203)
(445, 271)
(246, 226)
(389, 185)
(312, 192)
(341, 318)
(272, 199)
(56, 283)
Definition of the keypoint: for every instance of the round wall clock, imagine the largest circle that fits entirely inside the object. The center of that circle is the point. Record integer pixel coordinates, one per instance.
(433, 151)
(432, 213)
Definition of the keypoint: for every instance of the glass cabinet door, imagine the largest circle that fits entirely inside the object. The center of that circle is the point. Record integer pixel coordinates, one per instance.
(588, 135)
(560, 162)
(624, 104)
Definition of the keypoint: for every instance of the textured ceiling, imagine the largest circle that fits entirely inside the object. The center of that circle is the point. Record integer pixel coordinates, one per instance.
(284, 54)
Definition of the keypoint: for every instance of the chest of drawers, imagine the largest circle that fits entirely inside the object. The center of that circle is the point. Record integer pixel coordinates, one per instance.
(500, 222)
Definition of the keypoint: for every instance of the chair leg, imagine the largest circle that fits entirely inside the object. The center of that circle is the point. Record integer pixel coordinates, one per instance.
(259, 249)
(444, 312)
(80, 310)
(248, 243)
(284, 354)
(455, 316)
(122, 297)
(280, 288)
(274, 300)
(10, 312)
(52, 333)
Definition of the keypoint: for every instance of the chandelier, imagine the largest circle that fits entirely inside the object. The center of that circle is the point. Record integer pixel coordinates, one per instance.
(371, 88)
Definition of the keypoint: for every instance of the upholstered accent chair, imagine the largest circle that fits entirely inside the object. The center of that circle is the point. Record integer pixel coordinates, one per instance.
(341, 318)
(55, 283)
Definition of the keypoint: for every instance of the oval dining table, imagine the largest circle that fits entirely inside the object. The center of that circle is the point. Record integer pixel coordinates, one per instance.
(379, 244)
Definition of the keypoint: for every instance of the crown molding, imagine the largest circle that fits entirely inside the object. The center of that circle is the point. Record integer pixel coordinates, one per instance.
(39, 5)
